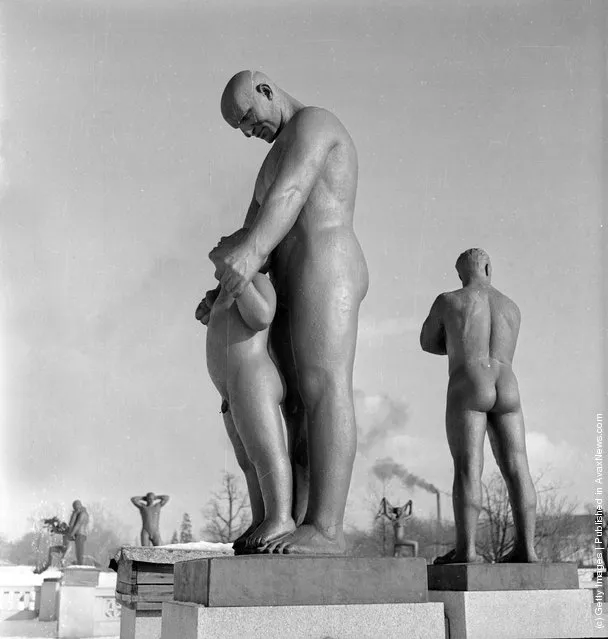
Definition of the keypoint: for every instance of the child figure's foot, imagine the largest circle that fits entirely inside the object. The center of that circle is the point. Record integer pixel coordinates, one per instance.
(269, 531)
(241, 540)
(520, 556)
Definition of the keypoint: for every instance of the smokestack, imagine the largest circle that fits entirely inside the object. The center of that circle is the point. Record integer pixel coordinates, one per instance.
(438, 510)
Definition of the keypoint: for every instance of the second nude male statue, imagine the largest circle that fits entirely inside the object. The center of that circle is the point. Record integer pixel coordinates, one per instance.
(149, 508)
(477, 328)
(302, 213)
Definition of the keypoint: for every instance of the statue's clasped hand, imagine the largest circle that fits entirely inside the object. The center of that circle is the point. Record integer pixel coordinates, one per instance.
(235, 265)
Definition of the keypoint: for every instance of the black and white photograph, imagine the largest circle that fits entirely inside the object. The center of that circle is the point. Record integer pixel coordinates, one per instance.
(303, 319)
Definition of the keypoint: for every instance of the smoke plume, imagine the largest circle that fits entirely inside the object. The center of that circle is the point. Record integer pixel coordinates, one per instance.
(387, 468)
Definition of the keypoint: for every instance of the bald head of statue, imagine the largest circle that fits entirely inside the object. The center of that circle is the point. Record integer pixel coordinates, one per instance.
(252, 103)
(474, 264)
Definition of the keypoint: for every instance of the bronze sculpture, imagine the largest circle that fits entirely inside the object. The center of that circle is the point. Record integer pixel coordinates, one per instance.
(78, 529)
(398, 516)
(301, 213)
(477, 328)
(56, 527)
(252, 390)
(149, 507)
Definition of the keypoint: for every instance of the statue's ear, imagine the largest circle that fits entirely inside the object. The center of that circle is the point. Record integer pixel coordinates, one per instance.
(265, 90)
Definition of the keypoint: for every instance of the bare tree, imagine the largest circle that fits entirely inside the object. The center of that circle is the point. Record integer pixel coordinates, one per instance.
(227, 513)
(555, 537)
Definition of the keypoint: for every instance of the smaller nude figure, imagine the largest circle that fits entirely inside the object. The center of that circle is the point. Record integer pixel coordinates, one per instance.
(477, 328)
(398, 516)
(252, 390)
(149, 508)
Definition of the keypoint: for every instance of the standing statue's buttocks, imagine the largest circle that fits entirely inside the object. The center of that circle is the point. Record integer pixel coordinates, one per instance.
(477, 328)
(301, 214)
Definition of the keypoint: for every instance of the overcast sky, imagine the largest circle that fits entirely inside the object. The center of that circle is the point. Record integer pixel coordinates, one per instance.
(477, 124)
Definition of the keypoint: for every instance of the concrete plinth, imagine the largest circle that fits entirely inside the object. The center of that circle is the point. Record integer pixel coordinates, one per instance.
(140, 624)
(275, 580)
(523, 614)
(49, 599)
(358, 621)
(76, 617)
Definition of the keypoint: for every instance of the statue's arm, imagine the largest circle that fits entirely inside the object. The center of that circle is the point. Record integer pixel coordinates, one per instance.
(298, 170)
(252, 212)
(75, 524)
(408, 509)
(432, 336)
(382, 510)
(257, 303)
(162, 499)
(137, 501)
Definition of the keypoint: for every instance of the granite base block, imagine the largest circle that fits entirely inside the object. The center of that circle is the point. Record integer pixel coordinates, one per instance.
(363, 621)
(516, 614)
(541, 576)
(140, 624)
(300, 581)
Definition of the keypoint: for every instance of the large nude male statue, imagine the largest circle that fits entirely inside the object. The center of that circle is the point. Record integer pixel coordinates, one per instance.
(477, 327)
(302, 213)
(149, 508)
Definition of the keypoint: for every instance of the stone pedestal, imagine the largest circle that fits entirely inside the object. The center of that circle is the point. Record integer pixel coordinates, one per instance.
(511, 601)
(300, 581)
(145, 581)
(301, 597)
(49, 599)
(358, 621)
(77, 602)
(142, 624)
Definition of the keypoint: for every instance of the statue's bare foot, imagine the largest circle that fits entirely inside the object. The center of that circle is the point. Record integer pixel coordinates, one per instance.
(520, 556)
(308, 540)
(241, 540)
(454, 557)
(269, 531)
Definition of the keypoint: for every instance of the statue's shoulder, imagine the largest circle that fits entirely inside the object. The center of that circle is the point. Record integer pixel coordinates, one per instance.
(448, 298)
(318, 121)
(506, 303)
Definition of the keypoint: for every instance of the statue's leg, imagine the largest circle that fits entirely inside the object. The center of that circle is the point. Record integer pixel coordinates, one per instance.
(79, 548)
(465, 433)
(256, 500)
(255, 397)
(329, 285)
(293, 411)
(156, 539)
(145, 537)
(507, 438)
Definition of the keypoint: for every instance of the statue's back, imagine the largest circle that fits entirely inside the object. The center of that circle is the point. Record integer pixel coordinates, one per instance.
(481, 323)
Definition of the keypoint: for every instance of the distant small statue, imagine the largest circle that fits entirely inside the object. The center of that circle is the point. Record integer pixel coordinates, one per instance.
(57, 553)
(149, 507)
(477, 328)
(398, 516)
(76, 531)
